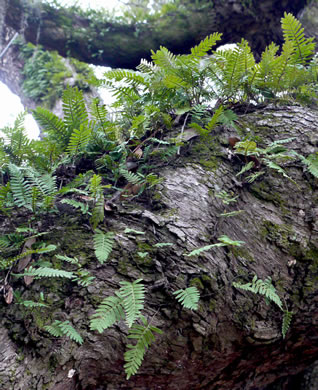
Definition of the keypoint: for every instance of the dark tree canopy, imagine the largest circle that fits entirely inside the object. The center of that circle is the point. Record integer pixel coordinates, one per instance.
(94, 39)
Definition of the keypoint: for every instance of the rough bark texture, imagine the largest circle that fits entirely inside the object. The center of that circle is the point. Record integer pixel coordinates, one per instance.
(234, 340)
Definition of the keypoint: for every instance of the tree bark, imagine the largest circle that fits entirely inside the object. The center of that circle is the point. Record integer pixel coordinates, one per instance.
(234, 340)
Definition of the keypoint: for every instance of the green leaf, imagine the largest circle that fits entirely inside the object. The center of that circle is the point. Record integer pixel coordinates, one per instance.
(103, 245)
(134, 355)
(133, 295)
(107, 313)
(188, 297)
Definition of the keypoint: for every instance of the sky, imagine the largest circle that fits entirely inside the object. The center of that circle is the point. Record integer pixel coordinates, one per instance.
(13, 106)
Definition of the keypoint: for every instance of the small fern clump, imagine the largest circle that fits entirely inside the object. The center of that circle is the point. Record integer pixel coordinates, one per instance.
(266, 288)
(60, 329)
(188, 297)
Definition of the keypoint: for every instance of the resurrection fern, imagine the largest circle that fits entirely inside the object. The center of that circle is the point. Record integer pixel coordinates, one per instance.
(108, 312)
(103, 245)
(133, 295)
(286, 322)
(59, 329)
(143, 336)
(47, 273)
(311, 163)
(188, 297)
(78, 205)
(20, 187)
(293, 32)
(258, 286)
(79, 139)
(98, 212)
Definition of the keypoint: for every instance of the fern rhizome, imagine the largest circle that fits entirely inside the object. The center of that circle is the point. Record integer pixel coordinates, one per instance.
(120, 146)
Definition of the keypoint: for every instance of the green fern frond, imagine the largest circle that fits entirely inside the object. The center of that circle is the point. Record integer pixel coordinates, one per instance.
(164, 58)
(47, 273)
(72, 260)
(78, 205)
(133, 295)
(20, 187)
(95, 187)
(258, 286)
(83, 278)
(32, 304)
(98, 212)
(288, 315)
(163, 244)
(74, 109)
(304, 48)
(103, 245)
(198, 251)
(133, 178)
(311, 162)
(134, 355)
(59, 329)
(79, 139)
(107, 313)
(205, 45)
(217, 118)
(133, 231)
(188, 297)
(51, 125)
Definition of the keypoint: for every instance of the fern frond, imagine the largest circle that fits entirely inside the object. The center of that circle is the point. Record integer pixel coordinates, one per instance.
(128, 230)
(144, 336)
(78, 205)
(72, 260)
(32, 304)
(293, 32)
(288, 315)
(107, 313)
(311, 162)
(198, 251)
(59, 329)
(75, 113)
(133, 178)
(188, 297)
(20, 188)
(205, 45)
(164, 58)
(79, 139)
(133, 295)
(98, 212)
(258, 286)
(47, 273)
(51, 125)
(103, 245)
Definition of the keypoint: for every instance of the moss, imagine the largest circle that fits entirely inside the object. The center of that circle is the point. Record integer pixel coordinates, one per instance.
(205, 152)
(196, 282)
(282, 235)
(242, 253)
(262, 190)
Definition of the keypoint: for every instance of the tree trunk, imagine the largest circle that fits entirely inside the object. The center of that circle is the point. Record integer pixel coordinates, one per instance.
(233, 341)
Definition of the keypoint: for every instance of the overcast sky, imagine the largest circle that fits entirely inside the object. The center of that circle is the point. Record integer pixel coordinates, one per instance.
(13, 106)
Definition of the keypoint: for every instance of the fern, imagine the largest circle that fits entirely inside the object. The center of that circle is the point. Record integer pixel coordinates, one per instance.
(198, 251)
(79, 140)
(59, 329)
(103, 245)
(311, 162)
(134, 355)
(47, 273)
(52, 125)
(304, 48)
(133, 231)
(107, 313)
(227, 241)
(132, 295)
(20, 187)
(188, 297)
(132, 178)
(258, 286)
(286, 322)
(205, 46)
(98, 212)
(32, 304)
(78, 205)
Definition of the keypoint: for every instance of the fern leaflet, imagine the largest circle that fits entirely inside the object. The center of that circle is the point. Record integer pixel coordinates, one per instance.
(144, 336)
(103, 245)
(107, 313)
(59, 329)
(133, 295)
(188, 297)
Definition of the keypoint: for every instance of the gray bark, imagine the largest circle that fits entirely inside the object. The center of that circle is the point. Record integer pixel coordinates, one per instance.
(234, 340)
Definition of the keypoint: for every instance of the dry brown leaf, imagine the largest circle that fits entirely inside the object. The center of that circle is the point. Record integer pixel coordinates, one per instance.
(28, 279)
(24, 261)
(107, 207)
(8, 294)
(130, 189)
(84, 197)
(138, 153)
